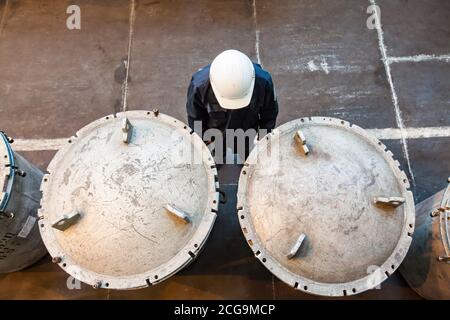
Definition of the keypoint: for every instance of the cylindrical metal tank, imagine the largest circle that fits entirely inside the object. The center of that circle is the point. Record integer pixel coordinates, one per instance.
(426, 268)
(129, 200)
(20, 241)
(325, 207)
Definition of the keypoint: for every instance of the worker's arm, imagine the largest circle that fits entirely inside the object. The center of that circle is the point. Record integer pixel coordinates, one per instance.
(196, 111)
(269, 111)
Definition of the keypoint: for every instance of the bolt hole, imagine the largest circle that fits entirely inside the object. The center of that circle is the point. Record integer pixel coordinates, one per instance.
(305, 288)
(5, 156)
(107, 118)
(42, 225)
(264, 260)
(242, 216)
(244, 172)
(45, 180)
(148, 112)
(393, 267)
(342, 122)
(354, 290)
(302, 120)
(70, 141)
(214, 201)
(107, 284)
(156, 277)
(64, 265)
(195, 245)
(410, 225)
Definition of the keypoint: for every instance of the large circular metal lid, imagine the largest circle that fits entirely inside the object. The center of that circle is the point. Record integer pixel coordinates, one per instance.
(325, 207)
(129, 201)
(6, 171)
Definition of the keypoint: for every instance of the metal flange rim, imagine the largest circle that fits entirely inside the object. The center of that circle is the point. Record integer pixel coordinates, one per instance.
(156, 275)
(308, 285)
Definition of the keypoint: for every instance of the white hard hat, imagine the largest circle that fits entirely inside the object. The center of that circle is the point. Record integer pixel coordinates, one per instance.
(232, 78)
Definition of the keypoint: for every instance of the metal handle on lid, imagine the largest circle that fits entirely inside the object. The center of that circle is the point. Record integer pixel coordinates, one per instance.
(296, 247)
(300, 138)
(127, 129)
(178, 213)
(66, 220)
(389, 201)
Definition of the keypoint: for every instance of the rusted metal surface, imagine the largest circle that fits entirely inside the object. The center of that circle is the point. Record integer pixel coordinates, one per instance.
(351, 244)
(125, 237)
(20, 241)
(427, 267)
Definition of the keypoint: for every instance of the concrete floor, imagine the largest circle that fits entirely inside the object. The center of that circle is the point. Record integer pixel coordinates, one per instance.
(324, 61)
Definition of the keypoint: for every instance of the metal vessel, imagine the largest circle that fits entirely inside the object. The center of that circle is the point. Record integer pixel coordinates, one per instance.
(20, 241)
(129, 200)
(325, 207)
(426, 268)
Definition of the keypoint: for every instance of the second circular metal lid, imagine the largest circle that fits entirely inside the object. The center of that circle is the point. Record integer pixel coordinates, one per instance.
(325, 207)
(124, 203)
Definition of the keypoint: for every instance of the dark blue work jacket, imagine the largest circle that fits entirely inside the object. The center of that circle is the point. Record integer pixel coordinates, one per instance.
(203, 106)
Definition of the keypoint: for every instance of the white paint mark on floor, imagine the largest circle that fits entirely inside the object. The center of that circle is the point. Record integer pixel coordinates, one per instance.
(38, 144)
(323, 63)
(255, 21)
(411, 133)
(324, 66)
(398, 115)
(312, 66)
(127, 62)
(419, 58)
(382, 134)
(3, 17)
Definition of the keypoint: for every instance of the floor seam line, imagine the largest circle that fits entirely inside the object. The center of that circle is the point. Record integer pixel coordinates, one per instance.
(127, 62)
(419, 58)
(255, 22)
(398, 117)
(23, 144)
(3, 17)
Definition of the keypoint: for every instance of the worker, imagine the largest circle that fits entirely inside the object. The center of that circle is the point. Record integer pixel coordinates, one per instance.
(229, 94)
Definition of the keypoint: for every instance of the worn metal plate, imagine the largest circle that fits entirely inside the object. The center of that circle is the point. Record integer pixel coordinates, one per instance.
(6, 176)
(422, 268)
(20, 241)
(124, 237)
(351, 243)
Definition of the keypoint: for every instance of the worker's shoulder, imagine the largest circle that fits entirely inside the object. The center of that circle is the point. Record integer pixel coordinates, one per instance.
(201, 77)
(262, 76)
